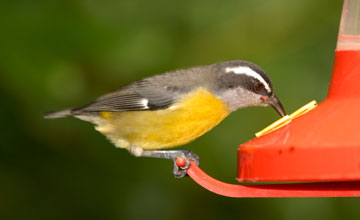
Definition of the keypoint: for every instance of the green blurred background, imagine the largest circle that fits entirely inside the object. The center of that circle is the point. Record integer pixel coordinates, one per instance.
(56, 54)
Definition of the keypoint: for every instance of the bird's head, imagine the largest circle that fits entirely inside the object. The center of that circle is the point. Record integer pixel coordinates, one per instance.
(241, 84)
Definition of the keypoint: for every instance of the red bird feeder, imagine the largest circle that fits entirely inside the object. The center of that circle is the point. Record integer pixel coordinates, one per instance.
(320, 148)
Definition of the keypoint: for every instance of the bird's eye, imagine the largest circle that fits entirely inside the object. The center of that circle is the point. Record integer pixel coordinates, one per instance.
(258, 86)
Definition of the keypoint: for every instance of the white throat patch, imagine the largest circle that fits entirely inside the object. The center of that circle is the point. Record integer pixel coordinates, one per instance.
(249, 72)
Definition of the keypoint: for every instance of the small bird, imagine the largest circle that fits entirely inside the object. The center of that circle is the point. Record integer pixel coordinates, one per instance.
(174, 108)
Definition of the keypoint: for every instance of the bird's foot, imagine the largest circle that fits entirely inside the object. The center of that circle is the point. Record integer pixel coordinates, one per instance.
(181, 159)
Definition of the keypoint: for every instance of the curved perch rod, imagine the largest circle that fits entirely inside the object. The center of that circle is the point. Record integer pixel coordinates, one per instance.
(318, 189)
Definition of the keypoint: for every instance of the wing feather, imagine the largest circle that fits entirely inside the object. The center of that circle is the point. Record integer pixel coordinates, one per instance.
(140, 95)
(157, 92)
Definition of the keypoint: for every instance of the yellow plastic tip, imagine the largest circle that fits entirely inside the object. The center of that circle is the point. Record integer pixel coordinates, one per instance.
(287, 119)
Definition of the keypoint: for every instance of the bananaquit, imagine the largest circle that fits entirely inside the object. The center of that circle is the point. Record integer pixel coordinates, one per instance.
(174, 108)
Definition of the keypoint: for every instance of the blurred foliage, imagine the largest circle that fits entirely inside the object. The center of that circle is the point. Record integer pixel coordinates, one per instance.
(56, 54)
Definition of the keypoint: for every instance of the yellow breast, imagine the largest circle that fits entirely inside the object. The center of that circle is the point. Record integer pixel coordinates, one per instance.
(192, 116)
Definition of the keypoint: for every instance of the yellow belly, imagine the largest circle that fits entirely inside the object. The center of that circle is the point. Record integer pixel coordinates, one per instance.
(194, 115)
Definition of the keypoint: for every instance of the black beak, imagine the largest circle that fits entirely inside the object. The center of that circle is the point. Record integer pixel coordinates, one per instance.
(276, 104)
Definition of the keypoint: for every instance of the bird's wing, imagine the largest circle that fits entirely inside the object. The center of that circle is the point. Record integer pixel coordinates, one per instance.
(141, 95)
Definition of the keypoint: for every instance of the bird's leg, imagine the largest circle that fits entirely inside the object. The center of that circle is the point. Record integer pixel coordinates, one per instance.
(178, 171)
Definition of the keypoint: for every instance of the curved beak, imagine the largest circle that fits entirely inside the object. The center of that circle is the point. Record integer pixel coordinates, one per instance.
(276, 104)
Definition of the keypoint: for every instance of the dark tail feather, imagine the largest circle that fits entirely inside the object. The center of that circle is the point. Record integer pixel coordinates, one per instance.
(58, 114)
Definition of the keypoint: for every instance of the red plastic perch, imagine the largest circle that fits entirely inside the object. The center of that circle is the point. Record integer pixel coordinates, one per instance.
(315, 189)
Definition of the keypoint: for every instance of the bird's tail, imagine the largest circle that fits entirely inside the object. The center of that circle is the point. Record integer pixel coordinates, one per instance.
(58, 114)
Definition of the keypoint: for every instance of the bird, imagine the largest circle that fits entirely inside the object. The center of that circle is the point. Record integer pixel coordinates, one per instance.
(149, 116)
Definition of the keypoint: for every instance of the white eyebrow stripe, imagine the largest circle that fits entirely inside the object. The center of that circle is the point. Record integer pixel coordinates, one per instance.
(248, 71)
